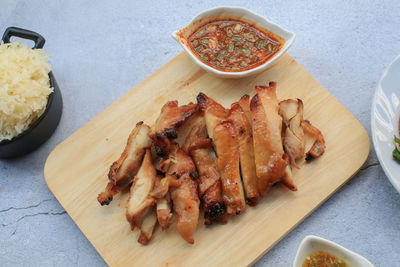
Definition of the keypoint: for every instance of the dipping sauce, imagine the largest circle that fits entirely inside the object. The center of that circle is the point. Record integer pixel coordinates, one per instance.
(232, 45)
(323, 259)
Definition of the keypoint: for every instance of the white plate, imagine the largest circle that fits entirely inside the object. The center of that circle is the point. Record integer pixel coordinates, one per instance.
(312, 243)
(385, 120)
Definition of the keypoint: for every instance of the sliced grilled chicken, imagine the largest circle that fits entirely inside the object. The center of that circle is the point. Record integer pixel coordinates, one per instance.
(288, 179)
(163, 186)
(164, 214)
(123, 170)
(291, 111)
(244, 137)
(171, 117)
(270, 159)
(184, 197)
(244, 103)
(199, 147)
(314, 137)
(139, 198)
(227, 149)
(214, 113)
(147, 226)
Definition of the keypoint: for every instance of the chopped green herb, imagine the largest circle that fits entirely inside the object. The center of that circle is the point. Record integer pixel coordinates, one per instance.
(396, 152)
(243, 64)
(396, 155)
(249, 36)
(231, 47)
(204, 58)
(248, 44)
(217, 64)
(204, 41)
(261, 44)
(195, 42)
(237, 38)
(201, 32)
(246, 51)
(235, 68)
(222, 55)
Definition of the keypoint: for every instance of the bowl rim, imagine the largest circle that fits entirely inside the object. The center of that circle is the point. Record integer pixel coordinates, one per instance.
(378, 151)
(288, 42)
(356, 257)
(38, 120)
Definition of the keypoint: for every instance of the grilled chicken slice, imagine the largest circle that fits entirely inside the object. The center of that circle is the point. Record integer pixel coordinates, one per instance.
(270, 159)
(171, 117)
(244, 103)
(147, 226)
(163, 186)
(140, 199)
(246, 151)
(288, 179)
(184, 197)
(164, 214)
(162, 196)
(123, 170)
(214, 113)
(291, 111)
(227, 149)
(199, 147)
(314, 137)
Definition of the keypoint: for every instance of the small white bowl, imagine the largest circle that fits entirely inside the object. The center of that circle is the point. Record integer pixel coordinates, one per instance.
(237, 13)
(312, 243)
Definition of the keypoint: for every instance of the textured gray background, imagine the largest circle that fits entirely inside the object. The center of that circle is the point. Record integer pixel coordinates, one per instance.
(101, 49)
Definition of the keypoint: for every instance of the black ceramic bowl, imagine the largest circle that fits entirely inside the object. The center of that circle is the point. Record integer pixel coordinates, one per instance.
(45, 125)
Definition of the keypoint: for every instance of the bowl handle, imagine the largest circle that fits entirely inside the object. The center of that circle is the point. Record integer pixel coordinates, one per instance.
(14, 31)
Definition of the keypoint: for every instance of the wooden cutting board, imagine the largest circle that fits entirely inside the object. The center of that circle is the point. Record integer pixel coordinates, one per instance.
(76, 170)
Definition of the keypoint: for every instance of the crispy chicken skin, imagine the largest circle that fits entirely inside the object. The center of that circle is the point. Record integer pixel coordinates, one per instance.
(184, 197)
(123, 170)
(244, 137)
(199, 147)
(291, 111)
(171, 117)
(139, 198)
(227, 150)
(313, 135)
(270, 159)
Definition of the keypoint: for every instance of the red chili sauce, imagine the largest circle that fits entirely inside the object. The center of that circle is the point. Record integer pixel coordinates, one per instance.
(232, 45)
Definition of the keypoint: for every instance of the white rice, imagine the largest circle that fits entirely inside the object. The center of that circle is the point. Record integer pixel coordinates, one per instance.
(24, 87)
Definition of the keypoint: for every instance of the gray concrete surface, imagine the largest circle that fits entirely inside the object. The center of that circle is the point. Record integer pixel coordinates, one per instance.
(101, 49)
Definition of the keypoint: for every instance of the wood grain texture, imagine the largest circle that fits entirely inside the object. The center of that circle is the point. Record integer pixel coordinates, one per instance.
(76, 170)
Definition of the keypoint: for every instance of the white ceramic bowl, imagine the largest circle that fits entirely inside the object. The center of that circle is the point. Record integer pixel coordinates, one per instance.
(385, 114)
(312, 243)
(238, 13)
